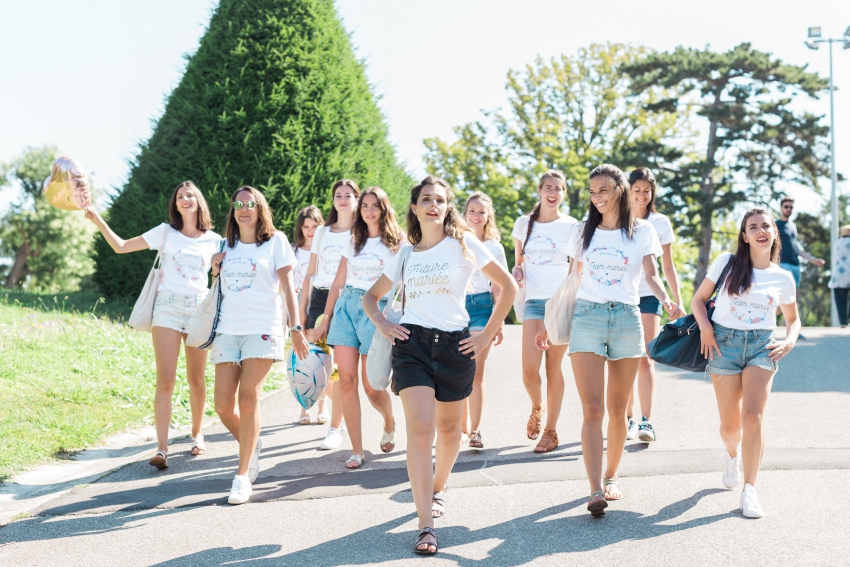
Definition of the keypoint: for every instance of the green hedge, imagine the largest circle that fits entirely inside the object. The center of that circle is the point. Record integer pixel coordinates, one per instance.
(274, 98)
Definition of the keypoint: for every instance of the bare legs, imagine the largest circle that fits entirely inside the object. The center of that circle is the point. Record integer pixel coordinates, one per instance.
(531, 358)
(646, 370)
(741, 400)
(243, 386)
(166, 348)
(348, 359)
(589, 372)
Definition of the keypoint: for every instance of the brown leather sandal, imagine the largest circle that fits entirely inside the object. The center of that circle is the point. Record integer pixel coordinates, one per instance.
(548, 442)
(160, 460)
(597, 504)
(535, 421)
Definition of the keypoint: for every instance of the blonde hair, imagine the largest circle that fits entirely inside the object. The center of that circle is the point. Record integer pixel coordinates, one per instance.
(491, 231)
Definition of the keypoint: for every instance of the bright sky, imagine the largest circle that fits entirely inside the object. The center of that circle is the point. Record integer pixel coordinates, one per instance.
(92, 76)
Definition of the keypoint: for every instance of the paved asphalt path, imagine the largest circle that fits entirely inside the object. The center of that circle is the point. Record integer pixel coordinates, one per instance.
(506, 505)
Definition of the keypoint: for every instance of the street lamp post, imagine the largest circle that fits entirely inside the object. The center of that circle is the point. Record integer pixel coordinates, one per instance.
(815, 39)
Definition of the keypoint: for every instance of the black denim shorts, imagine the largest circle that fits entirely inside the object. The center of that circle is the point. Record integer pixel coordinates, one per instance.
(318, 300)
(431, 357)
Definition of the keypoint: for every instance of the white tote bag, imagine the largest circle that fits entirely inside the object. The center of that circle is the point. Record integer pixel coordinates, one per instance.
(561, 306)
(142, 316)
(205, 320)
(519, 300)
(379, 363)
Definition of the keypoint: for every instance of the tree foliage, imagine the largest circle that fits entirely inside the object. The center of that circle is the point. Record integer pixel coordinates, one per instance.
(49, 247)
(755, 139)
(274, 98)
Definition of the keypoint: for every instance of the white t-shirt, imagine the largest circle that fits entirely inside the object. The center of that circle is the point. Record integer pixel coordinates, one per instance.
(249, 282)
(435, 283)
(545, 263)
(332, 246)
(185, 261)
(479, 283)
(366, 267)
(755, 309)
(302, 257)
(664, 229)
(612, 265)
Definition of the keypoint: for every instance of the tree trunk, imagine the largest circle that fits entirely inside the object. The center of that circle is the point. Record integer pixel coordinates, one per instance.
(19, 268)
(706, 192)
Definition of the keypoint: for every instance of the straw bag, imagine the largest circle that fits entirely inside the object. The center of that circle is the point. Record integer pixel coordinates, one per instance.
(561, 306)
(379, 363)
(205, 319)
(142, 316)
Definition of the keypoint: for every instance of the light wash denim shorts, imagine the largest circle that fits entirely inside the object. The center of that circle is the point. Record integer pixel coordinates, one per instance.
(350, 326)
(611, 329)
(236, 348)
(480, 307)
(741, 349)
(535, 309)
(175, 310)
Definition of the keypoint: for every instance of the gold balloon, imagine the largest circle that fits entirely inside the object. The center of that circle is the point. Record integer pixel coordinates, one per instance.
(67, 187)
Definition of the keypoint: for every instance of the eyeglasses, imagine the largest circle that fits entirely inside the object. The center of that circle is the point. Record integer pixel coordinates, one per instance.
(239, 205)
(788, 207)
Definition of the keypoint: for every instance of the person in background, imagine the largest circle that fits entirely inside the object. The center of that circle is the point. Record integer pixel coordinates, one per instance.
(840, 280)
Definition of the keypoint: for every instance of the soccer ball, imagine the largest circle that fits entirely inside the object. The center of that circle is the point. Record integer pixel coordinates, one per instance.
(308, 378)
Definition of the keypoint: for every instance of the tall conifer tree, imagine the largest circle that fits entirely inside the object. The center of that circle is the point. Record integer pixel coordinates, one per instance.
(275, 98)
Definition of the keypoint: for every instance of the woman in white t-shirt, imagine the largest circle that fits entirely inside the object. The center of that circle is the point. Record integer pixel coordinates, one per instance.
(643, 192)
(738, 341)
(325, 253)
(433, 358)
(481, 296)
(542, 263)
(186, 244)
(616, 252)
(309, 219)
(255, 266)
(376, 239)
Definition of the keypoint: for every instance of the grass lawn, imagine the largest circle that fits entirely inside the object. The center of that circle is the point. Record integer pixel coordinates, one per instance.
(71, 373)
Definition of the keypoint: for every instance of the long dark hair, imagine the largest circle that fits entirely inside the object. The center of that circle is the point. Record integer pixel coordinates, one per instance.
(308, 212)
(453, 225)
(388, 224)
(626, 219)
(265, 225)
(740, 278)
(333, 216)
(535, 212)
(203, 221)
(647, 175)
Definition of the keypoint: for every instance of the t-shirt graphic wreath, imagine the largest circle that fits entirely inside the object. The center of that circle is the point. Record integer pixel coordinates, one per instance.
(607, 265)
(239, 273)
(330, 259)
(189, 266)
(368, 267)
(540, 250)
(743, 310)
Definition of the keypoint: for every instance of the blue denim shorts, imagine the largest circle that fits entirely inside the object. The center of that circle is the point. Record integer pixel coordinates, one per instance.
(350, 326)
(175, 310)
(535, 309)
(611, 329)
(794, 269)
(649, 304)
(480, 307)
(236, 348)
(741, 349)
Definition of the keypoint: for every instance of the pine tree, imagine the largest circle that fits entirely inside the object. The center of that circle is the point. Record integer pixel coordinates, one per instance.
(275, 98)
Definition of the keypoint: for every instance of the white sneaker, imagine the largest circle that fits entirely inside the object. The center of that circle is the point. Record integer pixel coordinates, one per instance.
(750, 502)
(732, 471)
(332, 440)
(240, 491)
(631, 431)
(254, 465)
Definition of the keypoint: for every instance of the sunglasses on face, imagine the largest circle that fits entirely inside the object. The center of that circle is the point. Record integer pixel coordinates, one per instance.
(791, 207)
(239, 205)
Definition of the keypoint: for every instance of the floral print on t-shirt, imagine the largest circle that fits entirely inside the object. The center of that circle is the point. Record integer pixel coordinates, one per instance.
(607, 265)
(754, 309)
(238, 274)
(189, 266)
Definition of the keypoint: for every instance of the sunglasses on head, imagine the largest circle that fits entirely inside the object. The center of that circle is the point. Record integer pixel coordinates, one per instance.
(239, 205)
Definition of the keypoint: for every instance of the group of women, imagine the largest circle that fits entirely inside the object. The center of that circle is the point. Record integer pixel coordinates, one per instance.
(456, 292)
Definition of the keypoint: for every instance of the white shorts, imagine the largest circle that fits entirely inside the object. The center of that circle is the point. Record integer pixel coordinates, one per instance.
(236, 348)
(175, 310)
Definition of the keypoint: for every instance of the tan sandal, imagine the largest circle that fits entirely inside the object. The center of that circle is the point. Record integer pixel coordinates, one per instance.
(160, 460)
(535, 421)
(548, 442)
(607, 483)
(597, 504)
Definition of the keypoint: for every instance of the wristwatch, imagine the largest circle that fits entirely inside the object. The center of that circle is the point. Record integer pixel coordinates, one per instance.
(297, 329)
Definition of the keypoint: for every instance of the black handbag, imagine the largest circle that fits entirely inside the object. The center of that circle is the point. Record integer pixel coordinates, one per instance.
(679, 344)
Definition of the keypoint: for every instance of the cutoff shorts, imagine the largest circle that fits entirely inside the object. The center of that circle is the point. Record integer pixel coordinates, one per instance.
(350, 326)
(610, 329)
(431, 357)
(741, 349)
(535, 309)
(480, 307)
(318, 300)
(175, 310)
(236, 348)
(649, 304)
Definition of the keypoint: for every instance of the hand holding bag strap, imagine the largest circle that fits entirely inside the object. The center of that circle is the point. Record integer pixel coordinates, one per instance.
(216, 284)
